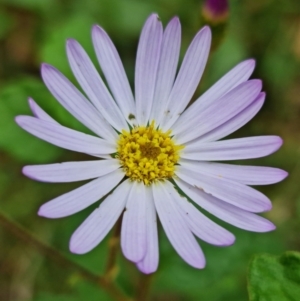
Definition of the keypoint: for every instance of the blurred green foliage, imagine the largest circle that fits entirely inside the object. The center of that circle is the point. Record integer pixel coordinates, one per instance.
(275, 278)
(34, 31)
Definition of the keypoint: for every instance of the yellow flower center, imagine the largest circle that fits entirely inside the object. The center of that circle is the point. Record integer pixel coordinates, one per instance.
(147, 154)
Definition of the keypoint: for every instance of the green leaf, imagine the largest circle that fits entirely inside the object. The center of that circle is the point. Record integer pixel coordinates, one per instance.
(275, 278)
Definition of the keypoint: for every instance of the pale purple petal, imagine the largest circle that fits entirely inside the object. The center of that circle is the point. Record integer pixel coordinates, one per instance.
(249, 175)
(220, 111)
(224, 211)
(235, 122)
(64, 137)
(38, 112)
(232, 149)
(166, 69)
(92, 84)
(147, 59)
(82, 197)
(114, 72)
(234, 193)
(133, 233)
(202, 226)
(71, 171)
(229, 81)
(188, 77)
(73, 101)
(175, 226)
(92, 231)
(149, 263)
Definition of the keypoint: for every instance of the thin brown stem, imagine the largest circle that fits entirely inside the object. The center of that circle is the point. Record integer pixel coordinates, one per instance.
(58, 257)
(112, 269)
(143, 288)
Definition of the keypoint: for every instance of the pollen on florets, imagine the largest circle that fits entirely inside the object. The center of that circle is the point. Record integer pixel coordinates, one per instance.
(147, 154)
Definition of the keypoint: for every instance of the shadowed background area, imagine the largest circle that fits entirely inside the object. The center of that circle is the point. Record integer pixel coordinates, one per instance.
(35, 31)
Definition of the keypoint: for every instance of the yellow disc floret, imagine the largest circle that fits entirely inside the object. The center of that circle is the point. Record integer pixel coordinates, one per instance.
(147, 154)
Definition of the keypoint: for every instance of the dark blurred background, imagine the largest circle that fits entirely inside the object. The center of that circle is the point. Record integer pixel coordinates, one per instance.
(34, 31)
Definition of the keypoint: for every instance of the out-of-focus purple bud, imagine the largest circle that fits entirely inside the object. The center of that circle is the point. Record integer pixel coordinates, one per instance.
(216, 11)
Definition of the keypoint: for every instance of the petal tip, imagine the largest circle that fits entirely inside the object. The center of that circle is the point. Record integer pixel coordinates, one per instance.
(154, 15)
(267, 207)
(97, 29)
(77, 247)
(226, 241)
(18, 120)
(251, 62)
(262, 95)
(175, 20)
(272, 227)
(135, 258)
(146, 270)
(152, 18)
(257, 83)
(200, 265)
(206, 29)
(25, 171)
(284, 174)
(45, 66)
(45, 70)
(41, 212)
(280, 140)
(74, 247)
(267, 227)
(70, 42)
(230, 241)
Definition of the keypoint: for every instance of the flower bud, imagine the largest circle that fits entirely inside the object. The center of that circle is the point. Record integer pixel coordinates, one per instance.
(215, 11)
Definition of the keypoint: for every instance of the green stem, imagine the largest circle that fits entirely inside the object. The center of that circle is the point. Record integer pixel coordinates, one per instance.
(22, 234)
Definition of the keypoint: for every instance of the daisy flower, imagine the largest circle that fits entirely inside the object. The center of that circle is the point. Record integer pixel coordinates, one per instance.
(152, 152)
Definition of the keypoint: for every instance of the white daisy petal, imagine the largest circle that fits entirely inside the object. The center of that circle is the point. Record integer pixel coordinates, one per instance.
(188, 77)
(235, 122)
(71, 171)
(73, 101)
(147, 59)
(166, 68)
(82, 197)
(221, 110)
(64, 137)
(114, 72)
(92, 231)
(224, 211)
(202, 226)
(38, 112)
(91, 82)
(249, 175)
(149, 263)
(229, 81)
(175, 226)
(234, 193)
(232, 149)
(133, 233)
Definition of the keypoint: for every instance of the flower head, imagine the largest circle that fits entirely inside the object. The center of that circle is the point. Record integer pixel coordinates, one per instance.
(152, 152)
